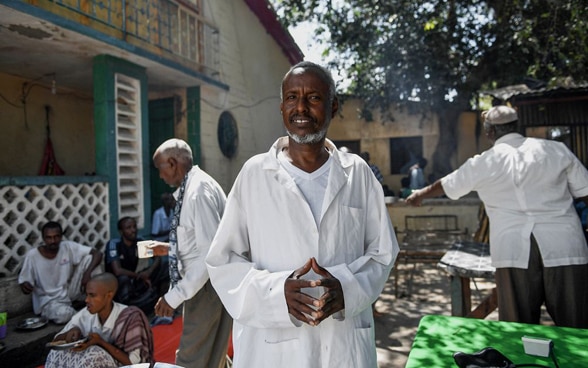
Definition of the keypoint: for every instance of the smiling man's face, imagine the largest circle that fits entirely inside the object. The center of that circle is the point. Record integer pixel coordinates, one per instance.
(305, 107)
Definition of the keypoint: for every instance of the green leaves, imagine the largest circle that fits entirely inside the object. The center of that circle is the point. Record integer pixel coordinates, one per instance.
(435, 55)
(398, 50)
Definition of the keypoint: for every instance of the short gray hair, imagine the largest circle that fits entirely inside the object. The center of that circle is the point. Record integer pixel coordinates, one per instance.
(178, 149)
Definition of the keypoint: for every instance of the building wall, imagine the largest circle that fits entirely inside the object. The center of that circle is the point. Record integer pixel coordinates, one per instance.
(374, 136)
(71, 122)
(252, 64)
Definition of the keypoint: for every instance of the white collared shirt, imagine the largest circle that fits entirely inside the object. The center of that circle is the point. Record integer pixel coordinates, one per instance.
(527, 186)
(202, 207)
(90, 323)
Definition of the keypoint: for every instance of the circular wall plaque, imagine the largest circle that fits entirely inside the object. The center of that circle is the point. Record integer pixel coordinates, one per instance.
(228, 134)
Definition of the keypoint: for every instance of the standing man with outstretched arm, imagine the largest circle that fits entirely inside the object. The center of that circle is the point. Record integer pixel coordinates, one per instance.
(528, 186)
(306, 244)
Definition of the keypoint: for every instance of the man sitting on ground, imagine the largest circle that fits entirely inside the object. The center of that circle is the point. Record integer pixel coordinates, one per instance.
(140, 288)
(56, 273)
(116, 334)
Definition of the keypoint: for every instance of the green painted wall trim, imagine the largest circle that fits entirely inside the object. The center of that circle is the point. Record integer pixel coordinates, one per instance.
(193, 116)
(104, 69)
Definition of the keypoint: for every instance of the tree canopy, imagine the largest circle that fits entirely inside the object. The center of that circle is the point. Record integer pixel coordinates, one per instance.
(440, 53)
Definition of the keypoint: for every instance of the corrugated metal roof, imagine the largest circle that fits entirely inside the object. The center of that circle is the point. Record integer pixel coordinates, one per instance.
(523, 91)
(562, 105)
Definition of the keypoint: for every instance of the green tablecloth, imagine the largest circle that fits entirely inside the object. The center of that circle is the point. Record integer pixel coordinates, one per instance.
(439, 337)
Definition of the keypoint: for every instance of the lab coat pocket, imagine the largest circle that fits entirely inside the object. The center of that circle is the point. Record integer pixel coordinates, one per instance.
(365, 348)
(283, 345)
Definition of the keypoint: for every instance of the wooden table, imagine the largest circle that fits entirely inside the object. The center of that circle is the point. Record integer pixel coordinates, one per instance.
(439, 337)
(464, 261)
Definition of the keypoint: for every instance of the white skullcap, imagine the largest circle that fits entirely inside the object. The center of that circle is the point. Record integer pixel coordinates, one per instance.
(499, 115)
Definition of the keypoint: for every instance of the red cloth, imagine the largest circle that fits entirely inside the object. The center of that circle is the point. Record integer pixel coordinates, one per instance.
(49, 166)
(230, 348)
(166, 339)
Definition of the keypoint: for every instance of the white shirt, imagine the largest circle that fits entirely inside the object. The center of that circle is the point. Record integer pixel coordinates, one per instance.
(90, 323)
(202, 208)
(268, 231)
(312, 185)
(527, 186)
(50, 277)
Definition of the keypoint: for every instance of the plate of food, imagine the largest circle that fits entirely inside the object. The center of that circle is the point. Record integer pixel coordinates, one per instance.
(32, 323)
(63, 345)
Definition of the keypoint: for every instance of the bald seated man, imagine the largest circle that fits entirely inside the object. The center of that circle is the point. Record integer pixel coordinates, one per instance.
(109, 334)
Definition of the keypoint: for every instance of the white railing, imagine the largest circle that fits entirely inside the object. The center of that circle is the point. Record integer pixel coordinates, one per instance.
(82, 210)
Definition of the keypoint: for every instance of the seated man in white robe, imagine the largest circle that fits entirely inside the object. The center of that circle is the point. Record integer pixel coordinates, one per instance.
(57, 272)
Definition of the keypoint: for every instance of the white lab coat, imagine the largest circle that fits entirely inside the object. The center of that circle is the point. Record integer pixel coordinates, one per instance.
(268, 231)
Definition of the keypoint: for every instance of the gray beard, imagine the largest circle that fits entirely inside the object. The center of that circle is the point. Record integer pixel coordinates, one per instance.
(309, 138)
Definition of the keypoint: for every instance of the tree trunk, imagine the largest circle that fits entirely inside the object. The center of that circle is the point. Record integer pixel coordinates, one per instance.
(446, 148)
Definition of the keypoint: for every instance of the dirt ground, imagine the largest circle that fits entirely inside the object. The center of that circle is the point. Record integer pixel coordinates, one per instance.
(427, 293)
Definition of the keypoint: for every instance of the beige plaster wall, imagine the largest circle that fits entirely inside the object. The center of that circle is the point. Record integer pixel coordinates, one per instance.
(252, 64)
(23, 139)
(374, 136)
(466, 209)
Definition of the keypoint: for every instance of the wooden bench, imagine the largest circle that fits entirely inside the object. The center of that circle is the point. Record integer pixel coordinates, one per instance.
(427, 238)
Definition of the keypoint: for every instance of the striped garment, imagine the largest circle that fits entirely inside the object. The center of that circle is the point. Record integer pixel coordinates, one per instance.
(132, 331)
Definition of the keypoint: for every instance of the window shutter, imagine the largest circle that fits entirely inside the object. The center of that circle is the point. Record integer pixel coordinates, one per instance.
(128, 148)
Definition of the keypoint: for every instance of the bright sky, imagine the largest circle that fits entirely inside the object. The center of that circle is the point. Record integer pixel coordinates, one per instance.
(303, 35)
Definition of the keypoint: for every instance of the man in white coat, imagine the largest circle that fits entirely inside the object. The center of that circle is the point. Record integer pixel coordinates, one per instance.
(306, 244)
